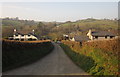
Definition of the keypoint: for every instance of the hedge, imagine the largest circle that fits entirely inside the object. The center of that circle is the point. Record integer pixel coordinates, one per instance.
(91, 58)
(16, 53)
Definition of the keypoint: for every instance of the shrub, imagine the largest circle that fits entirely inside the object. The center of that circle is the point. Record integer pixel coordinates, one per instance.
(16, 53)
(81, 60)
(94, 57)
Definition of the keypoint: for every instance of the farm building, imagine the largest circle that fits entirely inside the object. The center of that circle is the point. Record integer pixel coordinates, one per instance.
(100, 35)
(65, 37)
(95, 35)
(80, 38)
(23, 35)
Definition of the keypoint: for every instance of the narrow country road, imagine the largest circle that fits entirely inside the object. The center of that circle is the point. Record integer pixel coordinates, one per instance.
(56, 63)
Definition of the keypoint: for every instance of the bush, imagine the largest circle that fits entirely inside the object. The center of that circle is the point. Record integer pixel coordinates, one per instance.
(15, 53)
(92, 58)
(81, 60)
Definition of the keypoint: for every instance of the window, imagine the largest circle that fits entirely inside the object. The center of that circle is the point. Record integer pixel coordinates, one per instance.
(22, 35)
(22, 39)
(34, 39)
(105, 37)
(111, 37)
(16, 39)
(30, 39)
(96, 37)
(28, 35)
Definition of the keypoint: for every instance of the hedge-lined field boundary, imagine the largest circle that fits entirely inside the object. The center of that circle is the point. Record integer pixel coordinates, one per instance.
(81, 60)
(92, 58)
(16, 53)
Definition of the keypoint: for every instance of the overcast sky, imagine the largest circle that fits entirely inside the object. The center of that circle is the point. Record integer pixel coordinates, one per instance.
(59, 0)
(60, 11)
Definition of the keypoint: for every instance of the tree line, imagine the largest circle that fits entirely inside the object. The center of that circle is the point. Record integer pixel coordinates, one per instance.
(55, 30)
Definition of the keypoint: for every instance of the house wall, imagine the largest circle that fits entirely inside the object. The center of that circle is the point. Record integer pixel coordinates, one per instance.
(103, 38)
(117, 36)
(16, 37)
(90, 35)
(33, 37)
(99, 38)
(25, 37)
(73, 39)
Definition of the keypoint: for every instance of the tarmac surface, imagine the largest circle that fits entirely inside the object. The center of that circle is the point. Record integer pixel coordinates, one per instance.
(55, 63)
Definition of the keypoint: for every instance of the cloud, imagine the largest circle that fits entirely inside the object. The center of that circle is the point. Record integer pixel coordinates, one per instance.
(59, 11)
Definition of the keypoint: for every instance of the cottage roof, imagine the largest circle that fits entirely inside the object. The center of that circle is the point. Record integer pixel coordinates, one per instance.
(81, 38)
(24, 33)
(102, 33)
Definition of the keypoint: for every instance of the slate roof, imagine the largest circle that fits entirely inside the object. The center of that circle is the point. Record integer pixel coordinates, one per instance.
(103, 33)
(25, 33)
(81, 38)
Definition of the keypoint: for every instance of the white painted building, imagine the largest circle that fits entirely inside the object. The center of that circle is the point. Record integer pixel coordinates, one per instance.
(100, 35)
(23, 36)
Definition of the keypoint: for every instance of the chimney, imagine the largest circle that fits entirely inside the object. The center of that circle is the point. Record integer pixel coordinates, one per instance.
(15, 31)
(89, 32)
(33, 31)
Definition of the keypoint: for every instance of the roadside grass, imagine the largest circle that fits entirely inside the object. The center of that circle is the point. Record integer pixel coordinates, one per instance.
(85, 62)
(93, 60)
(16, 54)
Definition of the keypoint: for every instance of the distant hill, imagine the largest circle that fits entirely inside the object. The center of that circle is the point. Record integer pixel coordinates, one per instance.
(93, 23)
(17, 22)
(57, 29)
(8, 24)
(81, 27)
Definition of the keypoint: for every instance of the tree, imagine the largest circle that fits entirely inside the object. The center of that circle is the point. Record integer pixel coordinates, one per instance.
(40, 29)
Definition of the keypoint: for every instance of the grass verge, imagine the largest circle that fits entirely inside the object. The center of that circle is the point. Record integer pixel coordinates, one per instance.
(93, 60)
(81, 60)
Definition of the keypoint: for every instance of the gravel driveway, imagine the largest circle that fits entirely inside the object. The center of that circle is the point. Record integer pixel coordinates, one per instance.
(56, 63)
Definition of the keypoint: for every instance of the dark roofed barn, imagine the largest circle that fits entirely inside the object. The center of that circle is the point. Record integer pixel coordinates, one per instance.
(100, 35)
(80, 38)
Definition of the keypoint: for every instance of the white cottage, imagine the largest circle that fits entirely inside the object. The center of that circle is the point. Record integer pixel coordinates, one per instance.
(100, 35)
(23, 36)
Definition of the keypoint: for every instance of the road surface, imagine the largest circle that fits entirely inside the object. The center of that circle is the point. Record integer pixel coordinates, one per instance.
(55, 63)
